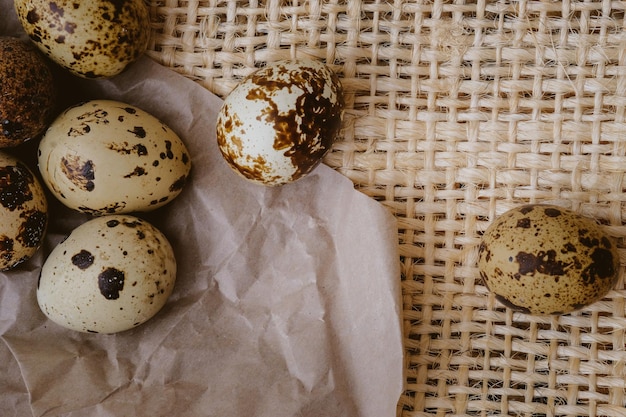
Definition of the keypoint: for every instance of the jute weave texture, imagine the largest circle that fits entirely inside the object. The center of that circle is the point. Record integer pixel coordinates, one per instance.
(456, 112)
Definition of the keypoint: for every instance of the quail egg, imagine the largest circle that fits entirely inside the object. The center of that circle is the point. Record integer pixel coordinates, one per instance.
(23, 212)
(278, 123)
(544, 259)
(105, 157)
(27, 92)
(91, 39)
(112, 273)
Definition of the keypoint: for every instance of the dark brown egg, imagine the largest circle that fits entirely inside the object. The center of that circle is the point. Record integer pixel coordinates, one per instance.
(27, 92)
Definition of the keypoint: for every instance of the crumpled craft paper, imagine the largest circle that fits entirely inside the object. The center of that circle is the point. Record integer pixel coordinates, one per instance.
(286, 301)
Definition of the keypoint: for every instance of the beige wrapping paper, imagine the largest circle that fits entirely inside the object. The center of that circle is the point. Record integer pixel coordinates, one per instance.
(286, 303)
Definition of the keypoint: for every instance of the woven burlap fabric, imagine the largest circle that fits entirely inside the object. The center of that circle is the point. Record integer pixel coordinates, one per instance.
(456, 112)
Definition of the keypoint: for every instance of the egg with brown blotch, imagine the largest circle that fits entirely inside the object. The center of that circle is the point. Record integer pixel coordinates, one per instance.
(27, 92)
(23, 212)
(111, 274)
(277, 125)
(91, 39)
(105, 157)
(544, 259)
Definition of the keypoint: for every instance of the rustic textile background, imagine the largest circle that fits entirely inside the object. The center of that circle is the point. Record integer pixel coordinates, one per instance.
(458, 111)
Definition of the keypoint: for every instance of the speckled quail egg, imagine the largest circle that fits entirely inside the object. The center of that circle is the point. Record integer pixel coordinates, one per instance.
(27, 92)
(105, 157)
(23, 212)
(544, 259)
(91, 39)
(112, 273)
(278, 123)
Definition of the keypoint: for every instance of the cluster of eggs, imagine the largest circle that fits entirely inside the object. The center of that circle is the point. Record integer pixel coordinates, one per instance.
(107, 159)
(110, 160)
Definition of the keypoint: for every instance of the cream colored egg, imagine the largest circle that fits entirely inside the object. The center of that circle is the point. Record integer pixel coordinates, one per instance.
(110, 274)
(544, 259)
(23, 212)
(104, 157)
(91, 39)
(277, 124)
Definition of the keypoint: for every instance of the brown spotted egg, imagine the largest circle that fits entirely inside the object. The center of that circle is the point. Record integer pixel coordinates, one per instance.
(105, 156)
(278, 123)
(27, 92)
(112, 273)
(544, 259)
(23, 212)
(92, 39)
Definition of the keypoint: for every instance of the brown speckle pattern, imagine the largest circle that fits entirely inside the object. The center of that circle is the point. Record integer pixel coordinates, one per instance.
(80, 173)
(110, 283)
(27, 92)
(91, 39)
(99, 157)
(23, 212)
(544, 259)
(278, 124)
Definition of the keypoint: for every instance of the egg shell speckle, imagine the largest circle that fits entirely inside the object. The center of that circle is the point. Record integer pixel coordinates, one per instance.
(278, 123)
(105, 157)
(23, 212)
(110, 274)
(27, 92)
(544, 259)
(91, 39)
